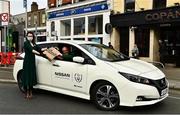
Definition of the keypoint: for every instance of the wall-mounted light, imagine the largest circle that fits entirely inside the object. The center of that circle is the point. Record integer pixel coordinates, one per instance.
(112, 12)
(177, 4)
(142, 9)
(132, 28)
(118, 12)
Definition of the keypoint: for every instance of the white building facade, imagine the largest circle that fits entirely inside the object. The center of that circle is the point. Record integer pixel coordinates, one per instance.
(85, 20)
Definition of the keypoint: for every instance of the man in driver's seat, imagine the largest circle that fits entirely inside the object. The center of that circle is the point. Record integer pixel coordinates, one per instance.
(66, 54)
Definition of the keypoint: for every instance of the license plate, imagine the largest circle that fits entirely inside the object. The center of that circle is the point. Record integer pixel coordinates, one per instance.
(164, 91)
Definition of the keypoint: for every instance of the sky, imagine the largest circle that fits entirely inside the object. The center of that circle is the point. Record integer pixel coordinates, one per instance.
(16, 6)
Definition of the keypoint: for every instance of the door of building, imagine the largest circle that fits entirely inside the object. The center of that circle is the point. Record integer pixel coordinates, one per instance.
(124, 40)
(171, 37)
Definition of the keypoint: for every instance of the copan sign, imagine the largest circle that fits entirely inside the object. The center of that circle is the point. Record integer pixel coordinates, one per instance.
(163, 15)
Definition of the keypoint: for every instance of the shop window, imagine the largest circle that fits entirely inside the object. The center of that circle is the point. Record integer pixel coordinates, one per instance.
(96, 39)
(159, 4)
(65, 26)
(79, 26)
(95, 24)
(142, 40)
(129, 5)
(53, 28)
(79, 39)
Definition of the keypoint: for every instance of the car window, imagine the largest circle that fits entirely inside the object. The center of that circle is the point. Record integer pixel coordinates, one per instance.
(74, 51)
(48, 45)
(105, 53)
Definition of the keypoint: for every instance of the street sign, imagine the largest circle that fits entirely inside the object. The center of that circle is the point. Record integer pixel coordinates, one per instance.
(4, 17)
(25, 3)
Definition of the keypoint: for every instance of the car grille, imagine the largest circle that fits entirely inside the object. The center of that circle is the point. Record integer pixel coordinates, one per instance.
(160, 84)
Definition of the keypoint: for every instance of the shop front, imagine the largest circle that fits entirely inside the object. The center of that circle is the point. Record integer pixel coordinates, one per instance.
(84, 22)
(146, 28)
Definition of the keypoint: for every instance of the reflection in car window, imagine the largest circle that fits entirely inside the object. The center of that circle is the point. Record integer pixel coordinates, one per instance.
(104, 52)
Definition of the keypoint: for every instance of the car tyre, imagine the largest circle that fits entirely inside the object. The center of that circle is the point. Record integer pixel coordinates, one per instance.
(105, 96)
(19, 80)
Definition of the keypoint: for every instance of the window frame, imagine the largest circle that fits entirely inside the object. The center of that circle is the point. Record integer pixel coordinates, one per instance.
(98, 32)
(158, 4)
(70, 27)
(125, 6)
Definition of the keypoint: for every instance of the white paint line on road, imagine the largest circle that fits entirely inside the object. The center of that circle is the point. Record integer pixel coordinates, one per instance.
(6, 71)
(174, 97)
(7, 81)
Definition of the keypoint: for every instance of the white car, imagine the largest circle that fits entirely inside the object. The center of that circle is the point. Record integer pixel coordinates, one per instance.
(98, 73)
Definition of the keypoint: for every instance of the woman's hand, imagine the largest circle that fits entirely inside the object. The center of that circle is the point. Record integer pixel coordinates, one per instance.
(43, 49)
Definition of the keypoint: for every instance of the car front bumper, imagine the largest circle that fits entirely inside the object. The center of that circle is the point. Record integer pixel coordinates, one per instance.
(136, 94)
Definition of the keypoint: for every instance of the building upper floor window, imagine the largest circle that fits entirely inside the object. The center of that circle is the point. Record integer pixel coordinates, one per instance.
(43, 18)
(29, 20)
(65, 2)
(129, 5)
(159, 4)
(51, 3)
(35, 19)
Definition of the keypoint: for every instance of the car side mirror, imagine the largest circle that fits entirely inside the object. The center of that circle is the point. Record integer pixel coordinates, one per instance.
(78, 59)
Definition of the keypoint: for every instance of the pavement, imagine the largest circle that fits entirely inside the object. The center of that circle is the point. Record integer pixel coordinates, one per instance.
(171, 71)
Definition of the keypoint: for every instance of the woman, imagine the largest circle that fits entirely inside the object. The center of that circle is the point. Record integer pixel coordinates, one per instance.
(29, 68)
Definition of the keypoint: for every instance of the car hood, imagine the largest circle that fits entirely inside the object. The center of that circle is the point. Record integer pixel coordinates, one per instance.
(133, 66)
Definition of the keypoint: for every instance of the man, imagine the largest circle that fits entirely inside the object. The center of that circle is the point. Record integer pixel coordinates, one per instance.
(110, 46)
(162, 51)
(66, 55)
(135, 52)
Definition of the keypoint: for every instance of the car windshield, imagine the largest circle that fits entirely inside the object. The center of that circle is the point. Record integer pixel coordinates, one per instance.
(105, 53)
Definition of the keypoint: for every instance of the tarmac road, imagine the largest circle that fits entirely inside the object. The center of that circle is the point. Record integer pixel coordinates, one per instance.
(12, 101)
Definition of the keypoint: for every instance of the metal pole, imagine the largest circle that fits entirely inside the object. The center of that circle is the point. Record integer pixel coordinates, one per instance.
(5, 43)
(26, 21)
(36, 31)
(4, 39)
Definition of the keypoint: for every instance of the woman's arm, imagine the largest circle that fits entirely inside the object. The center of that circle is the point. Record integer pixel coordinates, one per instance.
(35, 52)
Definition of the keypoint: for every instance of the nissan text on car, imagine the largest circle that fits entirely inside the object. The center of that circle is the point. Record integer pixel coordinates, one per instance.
(98, 73)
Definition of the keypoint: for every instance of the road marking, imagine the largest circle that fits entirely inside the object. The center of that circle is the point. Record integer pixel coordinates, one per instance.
(7, 81)
(6, 71)
(174, 97)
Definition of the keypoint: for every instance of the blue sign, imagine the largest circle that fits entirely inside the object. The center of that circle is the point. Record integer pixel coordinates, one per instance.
(94, 8)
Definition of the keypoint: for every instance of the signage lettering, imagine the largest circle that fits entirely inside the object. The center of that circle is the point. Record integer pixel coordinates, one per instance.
(62, 74)
(76, 11)
(162, 16)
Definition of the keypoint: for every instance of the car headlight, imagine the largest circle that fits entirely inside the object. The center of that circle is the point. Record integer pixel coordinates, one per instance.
(136, 78)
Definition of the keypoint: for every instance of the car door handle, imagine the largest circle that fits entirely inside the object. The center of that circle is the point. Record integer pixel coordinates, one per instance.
(57, 65)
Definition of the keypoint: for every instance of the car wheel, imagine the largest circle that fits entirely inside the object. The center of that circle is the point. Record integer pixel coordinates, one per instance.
(19, 80)
(105, 96)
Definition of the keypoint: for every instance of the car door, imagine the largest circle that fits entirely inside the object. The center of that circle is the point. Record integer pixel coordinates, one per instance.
(68, 74)
(43, 68)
